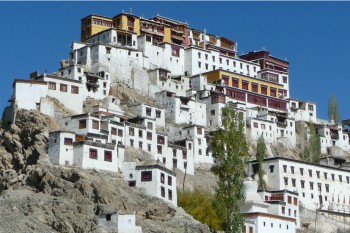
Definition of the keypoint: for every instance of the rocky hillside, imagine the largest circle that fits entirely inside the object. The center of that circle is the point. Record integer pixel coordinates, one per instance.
(36, 196)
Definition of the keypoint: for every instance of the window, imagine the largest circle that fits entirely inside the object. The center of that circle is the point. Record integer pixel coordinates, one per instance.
(284, 168)
(170, 180)
(283, 210)
(295, 201)
(162, 191)
(140, 133)
(292, 169)
(263, 90)
(285, 79)
(200, 152)
(311, 185)
(93, 154)
(158, 113)
(52, 86)
(140, 145)
(82, 124)
(131, 131)
(170, 194)
(108, 50)
(235, 82)
(289, 200)
(149, 147)
(68, 141)
(63, 87)
(108, 217)
(327, 188)
(148, 111)
(293, 182)
(146, 176)
(149, 135)
(310, 173)
(199, 141)
(108, 155)
(332, 177)
(272, 168)
(319, 187)
(95, 125)
(160, 140)
(273, 92)
(285, 181)
(256, 125)
(199, 131)
(245, 85)
(149, 125)
(162, 178)
(212, 112)
(174, 163)
(340, 178)
(302, 171)
(310, 107)
(174, 152)
(175, 51)
(199, 55)
(318, 174)
(262, 126)
(184, 154)
(255, 87)
(75, 90)
(131, 142)
(113, 131)
(348, 180)
(120, 132)
(302, 184)
(159, 149)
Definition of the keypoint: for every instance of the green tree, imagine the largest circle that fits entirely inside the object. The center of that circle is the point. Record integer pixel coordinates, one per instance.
(260, 156)
(314, 145)
(230, 150)
(333, 109)
(312, 150)
(199, 204)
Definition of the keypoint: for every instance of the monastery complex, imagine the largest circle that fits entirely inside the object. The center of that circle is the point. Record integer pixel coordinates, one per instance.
(189, 75)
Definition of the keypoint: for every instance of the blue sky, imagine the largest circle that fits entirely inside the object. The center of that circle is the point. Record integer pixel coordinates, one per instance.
(313, 36)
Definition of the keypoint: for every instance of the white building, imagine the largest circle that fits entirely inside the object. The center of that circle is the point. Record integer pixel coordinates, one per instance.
(275, 127)
(154, 177)
(302, 110)
(113, 221)
(66, 148)
(316, 184)
(259, 217)
(181, 110)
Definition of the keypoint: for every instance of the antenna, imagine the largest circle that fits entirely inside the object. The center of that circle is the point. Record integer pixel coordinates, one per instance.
(130, 11)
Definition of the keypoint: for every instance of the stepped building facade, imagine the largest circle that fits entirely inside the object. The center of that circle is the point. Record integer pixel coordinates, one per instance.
(190, 75)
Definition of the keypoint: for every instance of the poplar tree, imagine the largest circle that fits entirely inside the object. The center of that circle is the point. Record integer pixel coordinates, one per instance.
(260, 156)
(314, 145)
(312, 151)
(333, 109)
(230, 150)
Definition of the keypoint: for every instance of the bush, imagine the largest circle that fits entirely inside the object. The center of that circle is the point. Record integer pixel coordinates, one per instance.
(199, 204)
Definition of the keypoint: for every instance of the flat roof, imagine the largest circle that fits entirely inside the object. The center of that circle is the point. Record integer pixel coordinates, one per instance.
(302, 162)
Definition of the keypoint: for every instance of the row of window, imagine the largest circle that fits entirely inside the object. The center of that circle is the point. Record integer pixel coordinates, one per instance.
(302, 184)
(64, 88)
(283, 209)
(254, 87)
(93, 154)
(149, 112)
(206, 56)
(318, 174)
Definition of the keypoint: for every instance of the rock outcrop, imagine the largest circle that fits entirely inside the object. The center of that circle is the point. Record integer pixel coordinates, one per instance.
(36, 196)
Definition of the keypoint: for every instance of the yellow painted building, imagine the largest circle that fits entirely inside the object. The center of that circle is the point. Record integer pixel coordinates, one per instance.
(216, 75)
(94, 24)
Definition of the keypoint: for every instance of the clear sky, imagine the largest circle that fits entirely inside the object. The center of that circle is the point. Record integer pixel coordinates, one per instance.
(313, 36)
